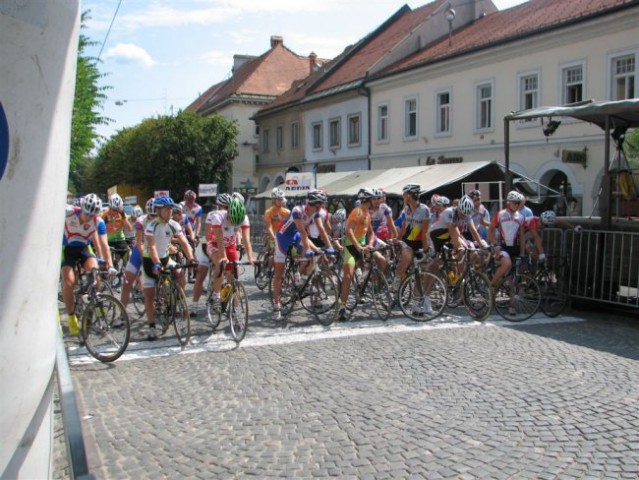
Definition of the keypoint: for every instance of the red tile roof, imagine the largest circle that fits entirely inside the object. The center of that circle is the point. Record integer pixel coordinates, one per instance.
(527, 18)
(268, 75)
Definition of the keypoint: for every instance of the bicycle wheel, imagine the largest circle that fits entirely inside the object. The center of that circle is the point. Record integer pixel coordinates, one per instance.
(288, 294)
(517, 300)
(213, 311)
(554, 291)
(104, 340)
(477, 294)
(163, 314)
(320, 297)
(353, 294)
(415, 292)
(137, 298)
(263, 271)
(382, 297)
(237, 312)
(180, 316)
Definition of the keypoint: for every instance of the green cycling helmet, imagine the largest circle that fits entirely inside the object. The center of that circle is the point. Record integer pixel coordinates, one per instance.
(237, 212)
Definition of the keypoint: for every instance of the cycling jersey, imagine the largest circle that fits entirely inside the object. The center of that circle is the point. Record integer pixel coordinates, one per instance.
(313, 230)
(413, 221)
(288, 228)
(275, 215)
(162, 232)
(509, 223)
(193, 212)
(379, 220)
(114, 221)
(362, 221)
(229, 231)
(78, 234)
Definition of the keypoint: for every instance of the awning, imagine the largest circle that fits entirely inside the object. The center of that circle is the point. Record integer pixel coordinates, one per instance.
(622, 113)
(392, 180)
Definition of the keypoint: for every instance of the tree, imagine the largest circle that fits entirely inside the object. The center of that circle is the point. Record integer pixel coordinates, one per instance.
(172, 153)
(631, 149)
(88, 100)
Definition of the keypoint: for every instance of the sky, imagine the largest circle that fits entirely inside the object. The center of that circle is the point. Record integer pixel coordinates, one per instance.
(158, 56)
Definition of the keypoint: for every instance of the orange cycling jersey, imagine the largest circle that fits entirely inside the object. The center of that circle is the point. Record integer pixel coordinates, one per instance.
(275, 216)
(362, 221)
(114, 221)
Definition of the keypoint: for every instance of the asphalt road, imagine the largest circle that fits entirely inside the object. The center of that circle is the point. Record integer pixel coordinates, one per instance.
(452, 398)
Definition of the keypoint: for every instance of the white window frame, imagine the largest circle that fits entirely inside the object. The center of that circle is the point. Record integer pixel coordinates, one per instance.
(295, 135)
(631, 88)
(354, 142)
(265, 140)
(443, 109)
(565, 84)
(279, 137)
(528, 97)
(479, 102)
(408, 114)
(334, 133)
(317, 135)
(383, 133)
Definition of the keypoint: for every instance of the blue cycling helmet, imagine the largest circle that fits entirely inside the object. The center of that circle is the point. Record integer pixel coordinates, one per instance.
(164, 201)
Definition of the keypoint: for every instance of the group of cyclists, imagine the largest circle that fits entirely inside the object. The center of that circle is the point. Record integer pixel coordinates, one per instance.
(166, 228)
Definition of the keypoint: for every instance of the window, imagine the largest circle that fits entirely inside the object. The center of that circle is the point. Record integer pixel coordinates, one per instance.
(528, 91)
(354, 132)
(317, 136)
(295, 134)
(572, 84)
(334, 133)
(410, 118)
(484, 106)
(257, 130)
(382, 123)
(442, 124)
(265, 145)
(623, 77)
(279, 138)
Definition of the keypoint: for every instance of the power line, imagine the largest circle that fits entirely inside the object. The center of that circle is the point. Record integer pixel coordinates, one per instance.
(109, 30)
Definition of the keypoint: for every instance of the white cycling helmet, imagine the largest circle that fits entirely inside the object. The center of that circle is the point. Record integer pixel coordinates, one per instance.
(223, 200)
(515, 196)
(116, 203)
(277, 193)
(548, 217)
(239, 196)
(91, 204)
(466, 205)
(136, 212)
(339, 216)
(150, 208)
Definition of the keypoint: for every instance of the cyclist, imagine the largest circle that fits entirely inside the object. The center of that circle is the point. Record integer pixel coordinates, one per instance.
(413, 230)
(157, 238)
(201, 255)
(135, 261)
(511, 224)
(313, 230)
(81, 224)
(481, 215)
(337, 221)
(293, 230)
(359, 239)
(382, 218)
(535, 224)
(274, 216)
(193, 211)
(116, 222)
(222, 242)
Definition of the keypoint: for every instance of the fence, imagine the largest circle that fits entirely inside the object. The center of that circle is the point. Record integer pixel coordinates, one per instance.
(603, 265)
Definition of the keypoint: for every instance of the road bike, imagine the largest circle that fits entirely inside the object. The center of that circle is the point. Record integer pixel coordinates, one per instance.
(233, 304)
(104, 323)
(517, 296)
(552, 278)
(170, 305)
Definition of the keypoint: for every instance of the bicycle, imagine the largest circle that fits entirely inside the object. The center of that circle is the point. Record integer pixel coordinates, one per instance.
(104, 323)
(120, 258)
(517, 296)
(171, 307)
(317, 293)
(137, 296)
(553, 284)
(379, 292)
(264, 267)
(419, 287)
(233, 304)
(468, 286)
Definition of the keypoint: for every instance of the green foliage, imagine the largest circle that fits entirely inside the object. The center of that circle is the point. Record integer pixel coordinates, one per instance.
(87, 103)
(631, 149)
(173, 153)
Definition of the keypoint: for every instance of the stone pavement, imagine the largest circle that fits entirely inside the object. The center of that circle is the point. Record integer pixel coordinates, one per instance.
(453, 398)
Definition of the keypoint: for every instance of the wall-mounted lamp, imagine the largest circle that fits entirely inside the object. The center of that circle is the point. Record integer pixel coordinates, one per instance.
(449, 15)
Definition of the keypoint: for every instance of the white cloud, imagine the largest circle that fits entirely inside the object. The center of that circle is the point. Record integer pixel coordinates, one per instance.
(129, 53)
(217, 58)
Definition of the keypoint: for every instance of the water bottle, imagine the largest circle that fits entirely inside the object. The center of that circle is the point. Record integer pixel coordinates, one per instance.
(224, 293)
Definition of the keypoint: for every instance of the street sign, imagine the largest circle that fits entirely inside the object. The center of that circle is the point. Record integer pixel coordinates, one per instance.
(207, 189)
(131, 199)
(161, 193)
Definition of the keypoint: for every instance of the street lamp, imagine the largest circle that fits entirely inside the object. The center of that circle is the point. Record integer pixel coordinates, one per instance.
(449, 15)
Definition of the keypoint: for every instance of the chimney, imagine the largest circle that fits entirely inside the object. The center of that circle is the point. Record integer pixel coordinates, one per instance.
(239, 60)
(276, 40)
(312, 57)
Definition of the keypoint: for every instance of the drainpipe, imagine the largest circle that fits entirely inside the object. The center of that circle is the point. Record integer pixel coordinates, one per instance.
(365, 91)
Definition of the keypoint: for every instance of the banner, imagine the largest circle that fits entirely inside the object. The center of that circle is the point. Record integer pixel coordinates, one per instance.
(207, 190)
(298, 182)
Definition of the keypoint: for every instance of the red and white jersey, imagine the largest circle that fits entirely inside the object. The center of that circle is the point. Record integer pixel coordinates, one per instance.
(78, 234)
(222, 221)
(509, 224)
(379, 218)
(313, 231)
(193, 212)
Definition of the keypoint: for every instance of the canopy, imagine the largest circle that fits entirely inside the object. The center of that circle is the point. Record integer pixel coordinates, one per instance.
(622, 113)
(392, 180)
